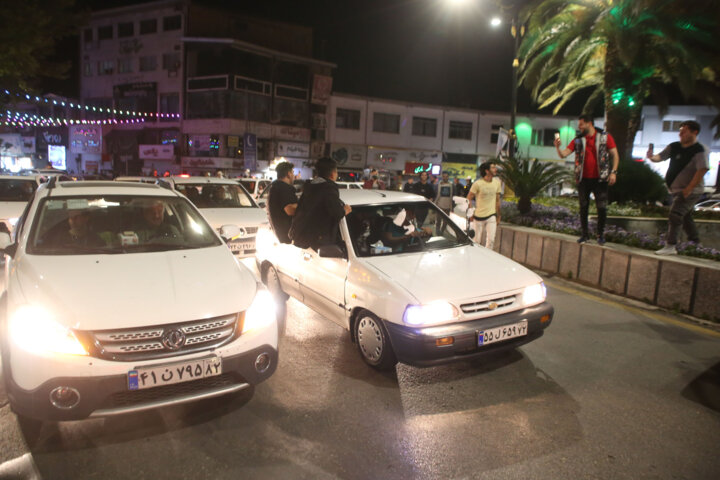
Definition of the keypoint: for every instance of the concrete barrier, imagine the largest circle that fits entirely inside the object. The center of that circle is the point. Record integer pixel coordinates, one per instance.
(684, 284)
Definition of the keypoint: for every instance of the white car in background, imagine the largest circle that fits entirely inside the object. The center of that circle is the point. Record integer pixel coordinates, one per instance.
(15, 191)
(137, 179)
(223, 201)
(418, 298)
(124, 315)
(254, 186)
(350, 185)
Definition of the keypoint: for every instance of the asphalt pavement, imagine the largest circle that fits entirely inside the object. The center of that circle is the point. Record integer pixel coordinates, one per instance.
(612, 391)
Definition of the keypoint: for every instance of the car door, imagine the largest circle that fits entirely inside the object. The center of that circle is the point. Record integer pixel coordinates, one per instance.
(322, 283)
(288, 262)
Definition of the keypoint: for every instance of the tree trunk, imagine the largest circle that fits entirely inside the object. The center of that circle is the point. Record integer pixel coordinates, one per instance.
(623, 104)
(524, 205)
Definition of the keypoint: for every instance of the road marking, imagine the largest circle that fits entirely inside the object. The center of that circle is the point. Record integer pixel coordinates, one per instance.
(640, 311)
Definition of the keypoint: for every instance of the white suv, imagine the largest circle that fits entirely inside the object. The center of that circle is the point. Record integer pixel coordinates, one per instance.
(119, 298)
(15, 191)
(224, 202)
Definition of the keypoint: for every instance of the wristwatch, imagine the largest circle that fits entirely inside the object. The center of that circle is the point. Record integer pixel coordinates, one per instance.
(614, 172)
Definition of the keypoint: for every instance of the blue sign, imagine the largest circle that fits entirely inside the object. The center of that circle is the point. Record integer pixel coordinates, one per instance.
(250, 151)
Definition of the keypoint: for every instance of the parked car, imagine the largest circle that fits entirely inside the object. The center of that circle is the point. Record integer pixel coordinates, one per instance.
(712, 205)
(419, 292)
(254, 186)
(223, 201)
(15, 191)
(107, 311)
(355, 185)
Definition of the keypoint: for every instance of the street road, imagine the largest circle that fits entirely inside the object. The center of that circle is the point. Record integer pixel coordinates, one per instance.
(612, 391)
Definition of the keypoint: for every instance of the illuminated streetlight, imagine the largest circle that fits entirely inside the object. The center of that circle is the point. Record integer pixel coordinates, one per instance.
(495, 22)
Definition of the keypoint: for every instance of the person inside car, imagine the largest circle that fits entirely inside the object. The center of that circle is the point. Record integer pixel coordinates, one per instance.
(154, 227)
(403, 231)
(76, 231)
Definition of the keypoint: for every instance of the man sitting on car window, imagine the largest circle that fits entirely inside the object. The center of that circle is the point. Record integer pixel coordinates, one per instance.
(154, 228)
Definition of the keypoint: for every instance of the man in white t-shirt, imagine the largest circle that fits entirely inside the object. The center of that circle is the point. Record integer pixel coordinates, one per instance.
(486, 194)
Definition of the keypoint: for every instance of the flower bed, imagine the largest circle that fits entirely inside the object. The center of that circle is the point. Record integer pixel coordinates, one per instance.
(561, 219)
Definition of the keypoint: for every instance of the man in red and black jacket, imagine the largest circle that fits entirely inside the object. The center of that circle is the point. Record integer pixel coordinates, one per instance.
(595, 151)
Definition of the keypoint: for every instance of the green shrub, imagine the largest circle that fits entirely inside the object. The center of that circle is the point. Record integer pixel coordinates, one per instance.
(637, 182)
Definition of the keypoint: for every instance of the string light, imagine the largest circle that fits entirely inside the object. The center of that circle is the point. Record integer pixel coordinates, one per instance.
(79, 106)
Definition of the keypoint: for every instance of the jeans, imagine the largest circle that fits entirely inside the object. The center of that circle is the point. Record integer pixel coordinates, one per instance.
(489, 226)
(681, 215)
(600, 190)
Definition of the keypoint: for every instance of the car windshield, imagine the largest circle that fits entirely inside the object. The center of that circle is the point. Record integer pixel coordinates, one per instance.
(16, 190)
(397, 228)
(97, 224)
(216, 195)
(248, 184)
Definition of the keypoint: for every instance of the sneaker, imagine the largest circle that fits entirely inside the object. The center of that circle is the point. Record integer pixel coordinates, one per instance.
(601, 239)
(582, 239)
(667, 250)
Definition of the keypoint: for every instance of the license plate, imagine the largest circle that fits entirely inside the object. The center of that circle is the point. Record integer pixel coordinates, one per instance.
(173, 373)
(498, 334)
(239, 247)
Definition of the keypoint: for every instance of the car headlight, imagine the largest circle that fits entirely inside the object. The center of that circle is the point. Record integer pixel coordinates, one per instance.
(435, 312)
(261, 313)
(534, 294)
(32, 328)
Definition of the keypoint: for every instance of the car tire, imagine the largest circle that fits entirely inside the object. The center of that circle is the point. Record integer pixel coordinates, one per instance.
(272, 282)
(373, 341)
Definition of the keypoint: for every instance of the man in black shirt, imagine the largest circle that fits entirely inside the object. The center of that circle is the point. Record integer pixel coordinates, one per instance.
(320, 209)
(425, 189)
(282, 201)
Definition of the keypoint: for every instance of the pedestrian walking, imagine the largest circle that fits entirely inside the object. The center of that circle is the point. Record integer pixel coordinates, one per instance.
(443, 200)
(486, 194)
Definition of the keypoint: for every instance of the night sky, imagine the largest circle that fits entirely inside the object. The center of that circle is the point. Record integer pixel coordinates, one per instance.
(424, 51)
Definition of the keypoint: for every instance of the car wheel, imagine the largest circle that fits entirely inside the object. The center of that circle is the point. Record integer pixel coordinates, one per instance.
(373, 342)
(272, 281)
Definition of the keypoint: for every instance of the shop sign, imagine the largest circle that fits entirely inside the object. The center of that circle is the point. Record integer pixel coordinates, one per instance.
(424, 157)
(289, 149)
(460, 170)
(250, 151)
(212, 162)
(85, 139)
(156, 152)
(10, 145)
(282, 132)
(322, 88)
(50, 136)
(349, 156)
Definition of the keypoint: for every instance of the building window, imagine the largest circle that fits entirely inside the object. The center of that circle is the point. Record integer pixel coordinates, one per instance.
(172, 23)
(347, 118)
(424, 127)
(460, 130)
(87, 35)
(671, 125)
(125, 65)
(386, 123)
(148, 26)
(88, 69)
(148, 64)
(126, 29)
(169, 103)
(543, 137)
(106, 67)
(494, 133)
(171, 61)
(105, 33)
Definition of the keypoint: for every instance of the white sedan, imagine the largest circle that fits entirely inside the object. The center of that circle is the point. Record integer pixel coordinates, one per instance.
(408, 284)
(115, 294)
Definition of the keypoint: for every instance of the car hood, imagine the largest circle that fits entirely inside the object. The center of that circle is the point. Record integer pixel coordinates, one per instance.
(242, 217)
(11, 209)
(455, 274)
(93, 292)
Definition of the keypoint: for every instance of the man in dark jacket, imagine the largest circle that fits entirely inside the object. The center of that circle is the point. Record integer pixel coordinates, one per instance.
(282, 201)
(319, 210)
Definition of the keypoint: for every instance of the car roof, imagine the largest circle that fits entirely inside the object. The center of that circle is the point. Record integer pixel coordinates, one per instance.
(27, 178)
(105, 187)
(213, 180)
(374, 197)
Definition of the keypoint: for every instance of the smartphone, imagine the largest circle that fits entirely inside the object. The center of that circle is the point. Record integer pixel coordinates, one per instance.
(651, 146)
(557, 135)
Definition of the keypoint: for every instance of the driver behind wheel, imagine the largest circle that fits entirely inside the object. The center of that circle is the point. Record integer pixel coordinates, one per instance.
(403, 231)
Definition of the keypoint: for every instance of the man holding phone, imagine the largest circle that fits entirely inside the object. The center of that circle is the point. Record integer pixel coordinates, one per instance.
(684, 178)
(595, 150)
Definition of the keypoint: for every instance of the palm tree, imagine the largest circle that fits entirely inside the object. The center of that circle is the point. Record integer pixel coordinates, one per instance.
(621, 52)
(527, 178)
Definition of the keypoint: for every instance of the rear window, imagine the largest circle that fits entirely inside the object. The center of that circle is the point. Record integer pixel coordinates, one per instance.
(20, 190)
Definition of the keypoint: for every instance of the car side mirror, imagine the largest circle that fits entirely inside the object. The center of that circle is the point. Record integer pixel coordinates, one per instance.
(331, 251)
(228, 232)
(471, 233)
(6, 244)
(261, 203)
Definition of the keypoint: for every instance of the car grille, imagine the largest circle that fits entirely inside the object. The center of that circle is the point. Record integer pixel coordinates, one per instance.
(488, 305)
(146, 343)
(138, 397)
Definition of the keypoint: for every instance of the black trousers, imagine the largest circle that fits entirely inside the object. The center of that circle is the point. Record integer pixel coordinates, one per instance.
(600, 190)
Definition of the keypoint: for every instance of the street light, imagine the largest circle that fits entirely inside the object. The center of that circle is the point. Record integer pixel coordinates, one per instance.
(496, 22)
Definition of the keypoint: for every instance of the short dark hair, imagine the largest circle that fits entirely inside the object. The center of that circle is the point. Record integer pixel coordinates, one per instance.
(587, 118)
(692, 125)
(484, 168)
(325, 166)
(283, 168)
